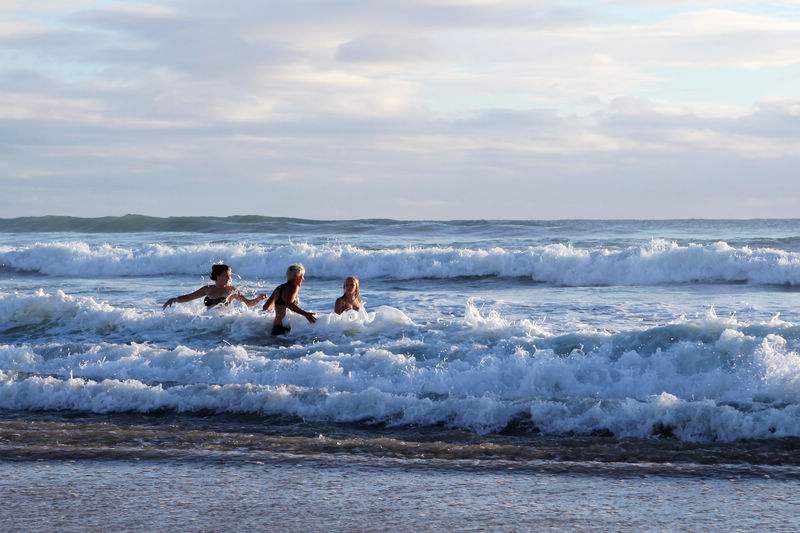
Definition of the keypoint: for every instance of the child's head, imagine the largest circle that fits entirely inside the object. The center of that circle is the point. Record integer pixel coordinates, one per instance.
(216, 270)
(294, 270)
(351, 281)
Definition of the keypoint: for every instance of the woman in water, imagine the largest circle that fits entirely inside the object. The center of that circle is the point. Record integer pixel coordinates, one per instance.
(285, 296)
(350, 299)
(219, 293)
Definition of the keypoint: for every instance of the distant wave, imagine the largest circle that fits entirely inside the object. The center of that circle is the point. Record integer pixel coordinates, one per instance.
(241, 224)
(145, 224)
(232, 225)
(656, 262)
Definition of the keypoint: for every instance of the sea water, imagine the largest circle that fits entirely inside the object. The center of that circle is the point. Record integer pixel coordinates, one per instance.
(599, 349)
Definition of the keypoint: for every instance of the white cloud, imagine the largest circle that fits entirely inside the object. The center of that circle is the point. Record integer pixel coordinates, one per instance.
(389, 48)
(555, 104)
(708, 38)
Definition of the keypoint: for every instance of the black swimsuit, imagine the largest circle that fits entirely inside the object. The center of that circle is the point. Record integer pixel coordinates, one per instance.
(211, 302)
(279, 299)
(280, 329)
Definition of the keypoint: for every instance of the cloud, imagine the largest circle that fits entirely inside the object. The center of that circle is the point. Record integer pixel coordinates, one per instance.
(419, 109)
(710, 38)
(388, 48)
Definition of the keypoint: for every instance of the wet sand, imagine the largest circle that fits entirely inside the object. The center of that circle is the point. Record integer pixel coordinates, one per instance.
(295, 493)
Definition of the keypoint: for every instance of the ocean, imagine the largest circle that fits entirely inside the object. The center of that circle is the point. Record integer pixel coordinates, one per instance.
(581, 375)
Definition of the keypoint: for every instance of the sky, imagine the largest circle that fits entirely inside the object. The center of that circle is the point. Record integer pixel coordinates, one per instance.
(401, 109)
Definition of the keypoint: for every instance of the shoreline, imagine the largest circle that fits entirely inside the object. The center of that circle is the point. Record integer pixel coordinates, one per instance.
(221, 439)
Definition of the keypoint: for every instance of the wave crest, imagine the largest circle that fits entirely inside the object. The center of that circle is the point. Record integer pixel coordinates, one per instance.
(656, 262)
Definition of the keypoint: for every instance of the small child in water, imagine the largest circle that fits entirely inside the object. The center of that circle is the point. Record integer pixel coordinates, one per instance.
(350, 299)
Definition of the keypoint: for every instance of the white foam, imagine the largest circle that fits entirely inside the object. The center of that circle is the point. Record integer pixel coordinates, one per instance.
(703, 378)
(657, 262)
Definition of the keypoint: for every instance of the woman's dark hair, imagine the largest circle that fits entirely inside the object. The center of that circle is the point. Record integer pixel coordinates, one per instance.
(217, 270)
